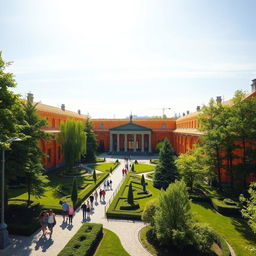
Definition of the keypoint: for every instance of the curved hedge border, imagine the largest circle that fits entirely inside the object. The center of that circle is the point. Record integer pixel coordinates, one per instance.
(229, 210)
(84, 242)
(222, 244)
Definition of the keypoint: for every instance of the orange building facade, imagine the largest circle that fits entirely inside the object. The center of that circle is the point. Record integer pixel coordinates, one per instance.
(127, 136)
(51, 148)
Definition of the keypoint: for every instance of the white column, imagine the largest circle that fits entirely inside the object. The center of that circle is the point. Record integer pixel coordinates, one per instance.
(118, 146)
(142, 142)
(134, 142)
(111, 143)
(149, 143)
(125, 142)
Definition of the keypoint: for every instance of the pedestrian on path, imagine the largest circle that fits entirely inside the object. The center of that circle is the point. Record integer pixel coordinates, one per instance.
(96, 196)
(107, 183)
(65, 207)
(91, 200)
(123, 171)
(88, 210)
(43, 218)
(51, 221)
(103, 195)
(100, 194)
(110, 184)
(70, 214)
(84, 208)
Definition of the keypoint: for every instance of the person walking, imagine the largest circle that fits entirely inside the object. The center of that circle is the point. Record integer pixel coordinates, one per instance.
(91, 200)
(43, 218)
(65, 207)
(100, 194)
(84, 208)
(96, 196)
(70, 214)
(88, 209)
(51, 221)
(103, 195)
(110, 184)
(107, 182)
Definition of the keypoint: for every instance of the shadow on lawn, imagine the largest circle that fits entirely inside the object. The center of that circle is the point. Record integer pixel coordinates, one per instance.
(242, 227)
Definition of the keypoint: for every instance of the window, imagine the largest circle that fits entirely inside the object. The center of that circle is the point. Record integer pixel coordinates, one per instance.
(163, 126)
(101, 126)
(53, 122)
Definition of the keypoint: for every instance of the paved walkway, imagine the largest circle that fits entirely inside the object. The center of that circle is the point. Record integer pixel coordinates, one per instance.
(35, 245)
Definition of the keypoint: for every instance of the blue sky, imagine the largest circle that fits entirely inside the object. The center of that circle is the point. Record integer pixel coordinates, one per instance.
(109, 58)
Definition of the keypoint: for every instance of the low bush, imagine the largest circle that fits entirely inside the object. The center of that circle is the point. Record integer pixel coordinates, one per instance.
(84, 242)
(22, 219)
(225, 209)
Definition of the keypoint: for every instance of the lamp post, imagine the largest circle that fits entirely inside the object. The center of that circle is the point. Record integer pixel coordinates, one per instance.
(4, 238)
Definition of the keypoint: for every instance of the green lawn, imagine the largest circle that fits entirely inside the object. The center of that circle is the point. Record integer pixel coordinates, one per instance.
(150, 175)
(59, 188)
(140, 168)
(110, 245)
(139, 197)
(234, 230)
(154, 161)
(103, 167)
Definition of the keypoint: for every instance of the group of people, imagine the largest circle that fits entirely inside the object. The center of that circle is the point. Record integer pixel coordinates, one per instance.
(108, 184)
(67, 212)
(47, 220)
(124, 171)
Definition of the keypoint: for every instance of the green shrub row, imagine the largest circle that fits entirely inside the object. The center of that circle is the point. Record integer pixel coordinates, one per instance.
(222, 244)
(221, 207)
(120, 215)
(82, 195)
(84, 242)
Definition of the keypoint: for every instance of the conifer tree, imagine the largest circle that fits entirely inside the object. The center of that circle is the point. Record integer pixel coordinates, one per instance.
(94, 176)
(74, 192)
(143, 182)
(166, 171)
(130, 199)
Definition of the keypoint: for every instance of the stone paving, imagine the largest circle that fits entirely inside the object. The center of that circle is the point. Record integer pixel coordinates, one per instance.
(36, 245)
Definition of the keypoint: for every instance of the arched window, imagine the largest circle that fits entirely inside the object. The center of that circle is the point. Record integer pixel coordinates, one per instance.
(163, 126)
(101, 126)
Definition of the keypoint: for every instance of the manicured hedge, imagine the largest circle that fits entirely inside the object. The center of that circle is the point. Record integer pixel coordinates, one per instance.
(82, 195)
(22, 219)
(225, 209)
(84, 242)
(222, 244)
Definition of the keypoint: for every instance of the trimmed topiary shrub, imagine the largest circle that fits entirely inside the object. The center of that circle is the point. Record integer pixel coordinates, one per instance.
(135, 206)
(84, 242)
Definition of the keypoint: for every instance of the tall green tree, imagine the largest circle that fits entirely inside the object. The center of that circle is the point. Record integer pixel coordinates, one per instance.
(91, 142)
(212, 126)
(143, 182)
(30, 164)
(173, 221)
(73, 141)
(195, 166)
(74, 194)
(249, 207)
(244, 123)
(11, 112)
(166, 171)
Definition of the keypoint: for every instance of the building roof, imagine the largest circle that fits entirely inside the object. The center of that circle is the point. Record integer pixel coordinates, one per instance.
(130, 127)
(50, 109)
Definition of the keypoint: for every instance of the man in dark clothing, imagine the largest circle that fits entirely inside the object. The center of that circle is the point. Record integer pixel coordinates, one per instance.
(91, 200)
(84, 208)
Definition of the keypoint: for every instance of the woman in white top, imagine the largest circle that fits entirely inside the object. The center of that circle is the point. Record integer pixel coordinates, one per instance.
(51, 221)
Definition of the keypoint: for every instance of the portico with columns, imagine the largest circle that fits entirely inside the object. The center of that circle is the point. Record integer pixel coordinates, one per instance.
(130, 137)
